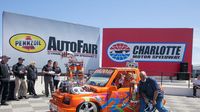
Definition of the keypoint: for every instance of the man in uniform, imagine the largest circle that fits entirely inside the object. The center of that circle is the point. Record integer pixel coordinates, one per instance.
(48, 78)
(4, 79)
(31, 77)
(20, 71)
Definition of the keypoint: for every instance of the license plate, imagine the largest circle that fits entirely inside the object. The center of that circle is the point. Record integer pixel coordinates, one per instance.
(53, 108)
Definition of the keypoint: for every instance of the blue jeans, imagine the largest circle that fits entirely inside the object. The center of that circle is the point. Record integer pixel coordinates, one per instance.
(159, 105)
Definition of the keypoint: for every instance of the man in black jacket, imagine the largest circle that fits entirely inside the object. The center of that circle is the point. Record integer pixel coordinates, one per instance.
(48, 78)
(4, 79)
(31, 77)
(20, 71)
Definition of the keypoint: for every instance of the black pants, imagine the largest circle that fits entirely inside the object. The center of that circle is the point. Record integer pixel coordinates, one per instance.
(195, 90)
(48, 81)
(4, 90)
(55, 82)
(31, 87)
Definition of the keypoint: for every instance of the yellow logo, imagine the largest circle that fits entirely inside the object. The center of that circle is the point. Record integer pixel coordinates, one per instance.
(28, 43)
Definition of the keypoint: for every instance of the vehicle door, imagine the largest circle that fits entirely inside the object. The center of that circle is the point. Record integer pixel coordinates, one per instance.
(119, 93)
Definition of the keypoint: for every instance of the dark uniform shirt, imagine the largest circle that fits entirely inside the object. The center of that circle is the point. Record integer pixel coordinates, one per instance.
(31, 72)
(57, 70)
(4, 71)
(16, 70)
(47, 68)
(149, 87)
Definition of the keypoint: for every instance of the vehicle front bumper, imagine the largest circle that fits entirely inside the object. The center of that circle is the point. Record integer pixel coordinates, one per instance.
(54, 107)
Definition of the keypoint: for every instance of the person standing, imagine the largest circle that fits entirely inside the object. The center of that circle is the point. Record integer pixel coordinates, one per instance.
(48, 78)
(20, 71)
(56, 77)
(4, 79)
(150, 91)
(196, 85)
(31, 77)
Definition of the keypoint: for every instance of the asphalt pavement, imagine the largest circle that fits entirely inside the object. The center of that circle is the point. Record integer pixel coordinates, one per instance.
(41, 104)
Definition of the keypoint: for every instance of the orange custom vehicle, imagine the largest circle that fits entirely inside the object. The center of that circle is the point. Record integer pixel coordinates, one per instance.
(107, 90)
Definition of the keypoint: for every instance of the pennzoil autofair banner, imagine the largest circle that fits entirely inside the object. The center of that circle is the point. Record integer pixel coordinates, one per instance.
(141, 52)
(39, 40)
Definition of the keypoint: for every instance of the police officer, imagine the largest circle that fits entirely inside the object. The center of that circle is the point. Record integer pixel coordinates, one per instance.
(4, 79)
(48, 78)
(20, 71)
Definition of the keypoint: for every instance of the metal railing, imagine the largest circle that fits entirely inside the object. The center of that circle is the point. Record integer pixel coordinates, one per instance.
(161, 76)
(172, 76)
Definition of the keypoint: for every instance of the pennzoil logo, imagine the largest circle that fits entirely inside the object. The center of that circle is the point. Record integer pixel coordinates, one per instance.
(28, 43)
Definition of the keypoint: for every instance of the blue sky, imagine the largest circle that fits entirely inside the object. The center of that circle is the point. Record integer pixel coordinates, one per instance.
(115, 13)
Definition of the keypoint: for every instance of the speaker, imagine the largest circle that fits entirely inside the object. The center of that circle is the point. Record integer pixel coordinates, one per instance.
(184, 67)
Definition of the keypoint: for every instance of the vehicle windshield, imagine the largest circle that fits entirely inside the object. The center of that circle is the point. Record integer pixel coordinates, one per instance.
(100, 77)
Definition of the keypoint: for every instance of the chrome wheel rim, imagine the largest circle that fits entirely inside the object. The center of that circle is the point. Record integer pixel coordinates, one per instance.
(88, 107)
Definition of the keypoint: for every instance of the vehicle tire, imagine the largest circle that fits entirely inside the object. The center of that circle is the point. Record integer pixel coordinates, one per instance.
(87, 107)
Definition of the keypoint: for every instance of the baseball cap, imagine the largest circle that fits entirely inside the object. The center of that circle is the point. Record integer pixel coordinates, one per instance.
(20, 58)
(4, 56)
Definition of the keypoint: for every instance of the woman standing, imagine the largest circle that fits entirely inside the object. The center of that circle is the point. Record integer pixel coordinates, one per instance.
(57, 71)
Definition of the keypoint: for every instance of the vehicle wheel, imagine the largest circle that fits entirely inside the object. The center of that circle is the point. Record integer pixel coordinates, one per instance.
(87, 107)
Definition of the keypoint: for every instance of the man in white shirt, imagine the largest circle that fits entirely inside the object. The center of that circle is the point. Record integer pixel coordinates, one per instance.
(196, 85)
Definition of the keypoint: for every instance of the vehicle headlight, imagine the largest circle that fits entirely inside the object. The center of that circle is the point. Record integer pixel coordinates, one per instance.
(66, 101)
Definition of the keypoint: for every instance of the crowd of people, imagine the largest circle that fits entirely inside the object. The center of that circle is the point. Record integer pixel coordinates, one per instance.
(25, 77)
